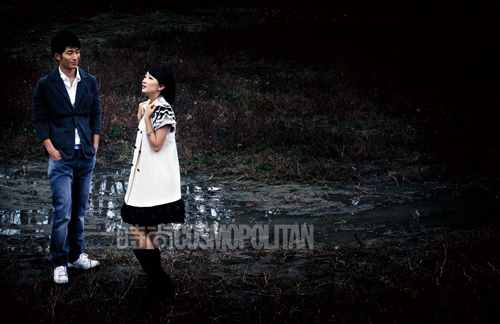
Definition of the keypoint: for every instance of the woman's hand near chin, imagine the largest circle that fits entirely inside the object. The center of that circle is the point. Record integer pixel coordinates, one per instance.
(139, 111)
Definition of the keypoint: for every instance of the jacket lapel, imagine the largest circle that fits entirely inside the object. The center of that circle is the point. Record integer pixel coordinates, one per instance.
(55, 77)
(80, 87)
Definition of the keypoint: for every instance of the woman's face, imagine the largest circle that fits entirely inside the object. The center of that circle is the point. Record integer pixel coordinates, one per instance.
(150, 85)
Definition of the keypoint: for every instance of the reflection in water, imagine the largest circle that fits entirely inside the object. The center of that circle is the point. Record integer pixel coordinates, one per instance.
(208, 205)
(207, 208)
(204, 205)
(5, 176)
(25, 217)
(10, 231)
(103, 199)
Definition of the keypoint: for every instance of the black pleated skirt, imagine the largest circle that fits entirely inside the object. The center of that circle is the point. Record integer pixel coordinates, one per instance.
(173, 212)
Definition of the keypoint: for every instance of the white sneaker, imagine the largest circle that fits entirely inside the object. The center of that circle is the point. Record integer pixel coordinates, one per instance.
(83, 262)
(60, 275)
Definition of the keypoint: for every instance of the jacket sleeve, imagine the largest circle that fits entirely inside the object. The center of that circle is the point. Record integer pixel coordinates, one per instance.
(40, 112)
(95, 110)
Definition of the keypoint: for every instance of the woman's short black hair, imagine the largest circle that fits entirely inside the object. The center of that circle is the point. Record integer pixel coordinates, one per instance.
(165, 77)
(63, 39)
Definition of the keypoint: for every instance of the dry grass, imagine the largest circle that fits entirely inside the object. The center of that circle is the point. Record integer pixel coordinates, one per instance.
(428, 277)
(253, 102)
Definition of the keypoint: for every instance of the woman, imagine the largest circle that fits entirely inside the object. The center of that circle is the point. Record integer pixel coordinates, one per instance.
(154, 190)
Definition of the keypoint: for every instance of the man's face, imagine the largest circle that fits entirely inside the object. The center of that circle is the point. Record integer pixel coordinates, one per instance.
(69, 58)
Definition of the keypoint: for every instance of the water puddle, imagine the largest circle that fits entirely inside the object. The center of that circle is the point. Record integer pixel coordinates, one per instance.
(333, 213)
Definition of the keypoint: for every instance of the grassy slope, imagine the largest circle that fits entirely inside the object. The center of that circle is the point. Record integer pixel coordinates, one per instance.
(271, 94)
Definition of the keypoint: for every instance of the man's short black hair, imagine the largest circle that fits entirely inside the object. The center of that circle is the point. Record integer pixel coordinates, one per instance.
(63, 39)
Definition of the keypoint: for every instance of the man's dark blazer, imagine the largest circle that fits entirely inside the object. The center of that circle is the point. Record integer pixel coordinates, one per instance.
(55, 118)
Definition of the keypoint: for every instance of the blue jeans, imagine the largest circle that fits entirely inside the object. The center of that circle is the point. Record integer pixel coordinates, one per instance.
(70, 186)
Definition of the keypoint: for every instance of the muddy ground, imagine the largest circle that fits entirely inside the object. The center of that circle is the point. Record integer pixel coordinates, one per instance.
(360, 272)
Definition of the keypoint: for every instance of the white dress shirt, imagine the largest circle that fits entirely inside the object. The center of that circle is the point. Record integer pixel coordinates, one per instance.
(71, 88)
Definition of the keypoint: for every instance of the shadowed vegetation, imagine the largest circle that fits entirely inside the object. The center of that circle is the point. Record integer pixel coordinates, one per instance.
(270, 94)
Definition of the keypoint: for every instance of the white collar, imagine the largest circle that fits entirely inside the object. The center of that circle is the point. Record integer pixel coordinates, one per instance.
(65, 77)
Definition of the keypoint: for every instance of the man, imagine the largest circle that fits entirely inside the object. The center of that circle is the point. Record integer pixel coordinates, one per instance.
(67, 119)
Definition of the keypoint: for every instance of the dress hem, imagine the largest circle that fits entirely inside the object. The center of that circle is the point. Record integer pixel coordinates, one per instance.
(173, 212)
